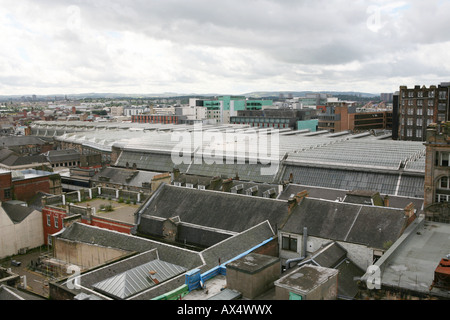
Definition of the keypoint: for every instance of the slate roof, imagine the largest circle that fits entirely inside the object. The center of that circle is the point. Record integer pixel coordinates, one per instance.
(15, 212)
(238, 244)
(372, 226)
(11, 293)
(54, 156)
(213, 209)
(12, 159)
(392, 183)
(340, 194)
(11, 141)
(124, 176)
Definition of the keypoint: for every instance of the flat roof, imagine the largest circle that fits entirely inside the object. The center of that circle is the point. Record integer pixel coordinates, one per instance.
(413, 262)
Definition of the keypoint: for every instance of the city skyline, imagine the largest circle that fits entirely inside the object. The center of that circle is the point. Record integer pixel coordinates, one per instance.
(202, 47)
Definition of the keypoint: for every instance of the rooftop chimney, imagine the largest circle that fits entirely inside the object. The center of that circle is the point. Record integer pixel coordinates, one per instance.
(293, 201)
(409, 210)
(386, 201)
(227, 184)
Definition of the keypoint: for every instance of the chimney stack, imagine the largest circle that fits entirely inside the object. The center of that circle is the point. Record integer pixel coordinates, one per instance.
(409, 210)
(386, 201)
(176, 173)
(295, 200)
(227, 184)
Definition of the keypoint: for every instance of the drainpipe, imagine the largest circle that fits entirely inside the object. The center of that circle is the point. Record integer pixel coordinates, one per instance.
(305, 238)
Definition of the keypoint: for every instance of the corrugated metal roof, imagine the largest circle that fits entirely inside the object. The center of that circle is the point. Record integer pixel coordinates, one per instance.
(138, 279)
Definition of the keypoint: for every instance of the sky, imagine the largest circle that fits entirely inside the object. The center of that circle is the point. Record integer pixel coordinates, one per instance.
(223, 47)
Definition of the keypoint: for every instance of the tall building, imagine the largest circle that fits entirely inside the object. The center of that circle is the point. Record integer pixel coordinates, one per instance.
(224, 107)
(387, 97)
(437, 169)
(418, 107)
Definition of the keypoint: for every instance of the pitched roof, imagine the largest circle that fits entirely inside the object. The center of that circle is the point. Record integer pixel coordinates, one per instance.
(11, 141)
(213, 209)
(138, 279)
(15, 212)
(369, 225)
(107, 238)
(63, 155)
(124, 176)
(340, 194)
(11, 293)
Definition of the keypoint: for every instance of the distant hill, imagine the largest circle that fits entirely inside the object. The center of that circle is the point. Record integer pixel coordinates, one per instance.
(256, 94)
(303, 93)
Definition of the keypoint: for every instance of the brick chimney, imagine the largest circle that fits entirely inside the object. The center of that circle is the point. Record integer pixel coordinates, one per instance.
(409, 212)
(295, 200)
(176, 173)
(386, 201)
(227, 184)
(301, 195)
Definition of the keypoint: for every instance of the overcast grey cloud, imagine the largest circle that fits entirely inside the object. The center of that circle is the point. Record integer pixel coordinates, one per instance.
(234, 47)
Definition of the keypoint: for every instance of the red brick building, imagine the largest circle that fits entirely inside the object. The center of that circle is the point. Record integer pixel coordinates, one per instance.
(55, 219)
(5, 185)
(27, 183)
(156, 119)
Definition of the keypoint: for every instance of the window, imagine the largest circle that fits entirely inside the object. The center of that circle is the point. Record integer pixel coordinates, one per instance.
(443, 159)
(410, 121)
(48, 220)
(442, 198)
(289, 243)
(419, 103)
(418, 133)
(444, 183)
(410, 111)
(55, 218)
(419, 122)
(442, 95)
(430, 103)
(409, 132)
(430, 111)
(7, 193)
(420, 94)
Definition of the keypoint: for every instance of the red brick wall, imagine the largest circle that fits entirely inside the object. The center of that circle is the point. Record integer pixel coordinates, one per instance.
(52, 221)
(109, 224)
(5, 184)
(25, 190)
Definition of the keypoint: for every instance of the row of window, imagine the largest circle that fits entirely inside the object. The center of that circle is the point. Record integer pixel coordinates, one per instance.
(260, 119)
(55, 221)
(442, 94)
(66, 164)
(419, 111)
(410, 133)
(419, 103)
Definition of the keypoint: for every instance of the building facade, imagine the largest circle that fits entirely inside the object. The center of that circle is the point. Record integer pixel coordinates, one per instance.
(418, 107)
(337, 118)
(437, 179)
(222, 108)
(151, 118)
(273, 118)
